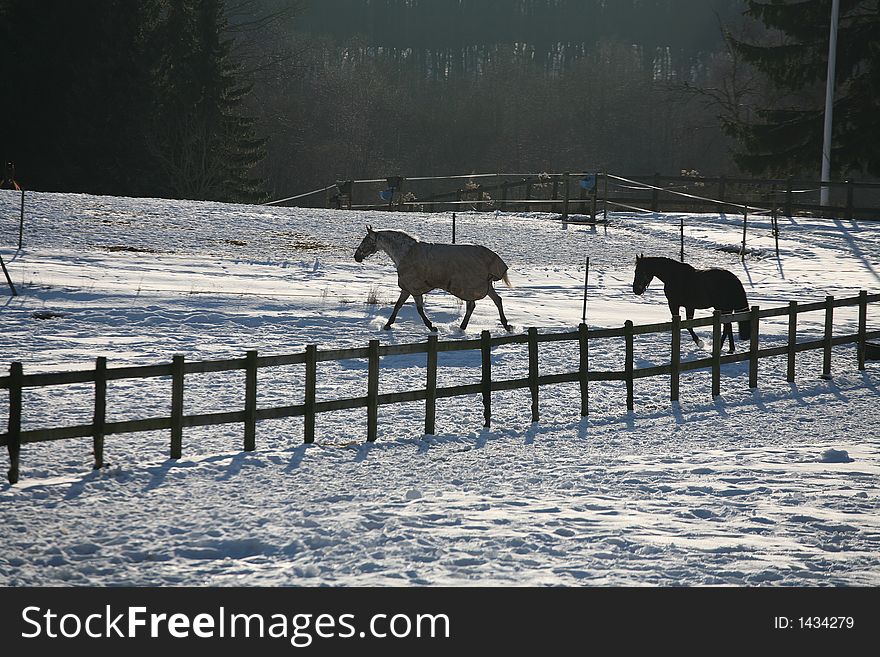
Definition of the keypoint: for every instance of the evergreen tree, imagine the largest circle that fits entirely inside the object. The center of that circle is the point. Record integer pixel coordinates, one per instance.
(203, 147)
(787, 137)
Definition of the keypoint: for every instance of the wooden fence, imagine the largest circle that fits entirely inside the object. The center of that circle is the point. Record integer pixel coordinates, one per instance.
(17, 381)
(562, 193)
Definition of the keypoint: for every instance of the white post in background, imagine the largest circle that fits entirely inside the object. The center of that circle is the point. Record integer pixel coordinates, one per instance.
(829, 102)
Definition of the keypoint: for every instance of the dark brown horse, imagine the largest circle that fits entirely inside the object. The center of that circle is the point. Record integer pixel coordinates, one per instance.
(695, 288)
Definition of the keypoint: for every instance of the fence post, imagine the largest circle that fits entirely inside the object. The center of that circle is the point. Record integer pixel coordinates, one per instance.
(8, 278)
(565, 197)
(774, 220)
(863, 327)
(533, 371)
(100, 416)
(310, 393)
(584, 369)
(682, 239)
(431, 387)
(628, 364)
(13, 445)
(675, 364)
(753, 348)
(250, 402)
(792, 338)
(849, 200)
(742, 252)
(21, 222)
(177, 406)
(829, 331)
(788, 199)
(373, 392)
(486, 352)
(593, 193)
(716, 353)
(605, 198)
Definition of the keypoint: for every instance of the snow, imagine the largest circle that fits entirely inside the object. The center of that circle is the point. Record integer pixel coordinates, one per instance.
(776, 486)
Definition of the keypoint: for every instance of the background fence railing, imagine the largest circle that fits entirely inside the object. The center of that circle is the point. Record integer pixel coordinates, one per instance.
(597, 192)
(178, 369)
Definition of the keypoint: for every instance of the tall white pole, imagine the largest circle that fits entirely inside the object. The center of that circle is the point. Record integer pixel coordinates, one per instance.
(829, 102)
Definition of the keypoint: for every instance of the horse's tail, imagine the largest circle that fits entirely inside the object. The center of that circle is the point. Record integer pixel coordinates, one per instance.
(506, 280)
(742, 304)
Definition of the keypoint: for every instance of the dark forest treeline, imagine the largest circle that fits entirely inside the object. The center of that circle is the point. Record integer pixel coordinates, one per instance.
(249, 99)
(126, 97)
(380, 87)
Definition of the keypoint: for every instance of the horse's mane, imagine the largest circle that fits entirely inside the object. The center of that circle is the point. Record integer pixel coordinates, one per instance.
(399, 233)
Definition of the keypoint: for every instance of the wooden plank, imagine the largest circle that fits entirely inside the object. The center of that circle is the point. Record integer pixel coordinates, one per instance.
(341, 354)
(177, 373)
(792, 339)
(13, 431)
(310, 388)
(716, 354)
(459, 391)
(583, 369)
(213, 366)
(511, 339)
(431, 387)
(279, 412)
(486, 357)
(863, 323)
(373, 392)
(557, 337)
(57, 378)
(100, 415)
(511, 384)
(628, 364)
(555, 379)
(675, 359)
(340, 405)
(458, 345)
(533, 372)
(753, 348)
(250, 402)
(829, 335)
(281, 360)
(401, 397)
(213, 419)
(403, 349)
(138, 372)
(654, 370)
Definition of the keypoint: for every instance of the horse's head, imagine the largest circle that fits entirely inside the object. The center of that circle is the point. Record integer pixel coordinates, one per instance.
(367, 247)
(642, 277)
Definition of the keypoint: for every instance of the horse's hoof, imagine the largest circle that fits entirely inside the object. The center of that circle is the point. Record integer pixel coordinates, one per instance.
(387, 327)
(508, 328)
(432, 329)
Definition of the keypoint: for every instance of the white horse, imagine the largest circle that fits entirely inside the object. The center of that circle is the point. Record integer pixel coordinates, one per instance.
(465, 270)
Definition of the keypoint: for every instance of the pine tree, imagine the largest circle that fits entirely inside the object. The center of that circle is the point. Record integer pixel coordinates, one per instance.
(202, 146)
(787, 137)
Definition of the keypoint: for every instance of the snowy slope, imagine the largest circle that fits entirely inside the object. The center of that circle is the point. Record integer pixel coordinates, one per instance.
(727, 491)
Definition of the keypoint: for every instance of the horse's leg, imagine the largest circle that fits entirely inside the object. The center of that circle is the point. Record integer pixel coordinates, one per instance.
(404, 295)
(467, 315)
(420, 306)
(494, 296)
(728, 330)
(690, 315)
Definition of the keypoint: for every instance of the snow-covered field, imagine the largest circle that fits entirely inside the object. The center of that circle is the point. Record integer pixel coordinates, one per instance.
(740, 490)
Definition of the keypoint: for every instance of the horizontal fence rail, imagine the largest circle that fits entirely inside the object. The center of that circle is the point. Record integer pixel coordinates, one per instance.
(594, 193)
(17, 381)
